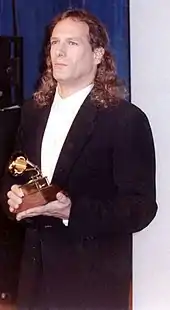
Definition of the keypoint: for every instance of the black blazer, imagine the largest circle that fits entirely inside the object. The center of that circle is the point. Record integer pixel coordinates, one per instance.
(9, 122)
(10, 233)
(107, 167)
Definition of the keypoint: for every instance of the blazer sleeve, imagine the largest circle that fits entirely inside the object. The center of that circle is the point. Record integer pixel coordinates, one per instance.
(134, 206)
(7, 179)
(9, 122)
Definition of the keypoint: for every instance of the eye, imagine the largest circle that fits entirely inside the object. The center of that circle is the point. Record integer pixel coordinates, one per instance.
(72, 43)
(53, 42)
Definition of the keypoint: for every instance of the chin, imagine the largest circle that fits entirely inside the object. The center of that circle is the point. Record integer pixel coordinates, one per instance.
(59, 78)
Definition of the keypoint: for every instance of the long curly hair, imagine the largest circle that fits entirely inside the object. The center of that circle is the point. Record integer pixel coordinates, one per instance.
(107, 86)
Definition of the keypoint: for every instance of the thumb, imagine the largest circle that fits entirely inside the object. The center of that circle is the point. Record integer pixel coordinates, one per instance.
(61, 197)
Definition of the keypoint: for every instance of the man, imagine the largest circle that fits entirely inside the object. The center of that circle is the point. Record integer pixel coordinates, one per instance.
(99, 150)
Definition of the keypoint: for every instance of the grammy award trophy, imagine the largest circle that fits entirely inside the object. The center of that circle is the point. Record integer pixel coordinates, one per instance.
(37, 191)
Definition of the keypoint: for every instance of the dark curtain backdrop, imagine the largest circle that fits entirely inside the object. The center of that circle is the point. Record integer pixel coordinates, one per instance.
(32, 16)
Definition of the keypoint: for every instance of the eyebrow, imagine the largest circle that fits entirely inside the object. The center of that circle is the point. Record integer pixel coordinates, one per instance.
(69, 38)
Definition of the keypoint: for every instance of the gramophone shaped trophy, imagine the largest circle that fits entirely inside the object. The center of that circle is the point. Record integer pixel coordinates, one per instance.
(37, 191)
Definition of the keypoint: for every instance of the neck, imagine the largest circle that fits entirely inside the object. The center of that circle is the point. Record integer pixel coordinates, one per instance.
(68, 90)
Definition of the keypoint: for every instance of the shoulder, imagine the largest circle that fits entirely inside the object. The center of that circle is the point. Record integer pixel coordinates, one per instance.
(122, 113)
(125, 109)
(29, 106)
(124, 119)
(31, 110)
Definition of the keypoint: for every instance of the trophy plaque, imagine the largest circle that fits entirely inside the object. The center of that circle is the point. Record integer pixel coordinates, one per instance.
(37, 191)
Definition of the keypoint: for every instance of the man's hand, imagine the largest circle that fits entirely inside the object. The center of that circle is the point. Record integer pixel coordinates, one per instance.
(59, 208)
(15, 196)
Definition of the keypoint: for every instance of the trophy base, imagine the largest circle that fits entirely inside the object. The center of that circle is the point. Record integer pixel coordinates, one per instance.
(34, 197)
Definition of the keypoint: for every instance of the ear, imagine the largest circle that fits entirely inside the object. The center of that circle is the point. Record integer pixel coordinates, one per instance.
(98, 55)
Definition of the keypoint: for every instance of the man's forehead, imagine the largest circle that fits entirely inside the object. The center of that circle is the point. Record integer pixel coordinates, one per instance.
(71, 28)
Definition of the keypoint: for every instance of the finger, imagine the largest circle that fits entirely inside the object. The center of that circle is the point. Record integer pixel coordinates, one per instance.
(17, 190)
(13, 198)
(24, 214)
(21, 215)
(29, 213)
(12, 204)
(12, 210)
(61, 197)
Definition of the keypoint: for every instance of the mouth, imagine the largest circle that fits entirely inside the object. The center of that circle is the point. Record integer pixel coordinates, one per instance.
(60, 65)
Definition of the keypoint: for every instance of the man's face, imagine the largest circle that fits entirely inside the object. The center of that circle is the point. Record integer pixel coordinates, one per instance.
(73, 60)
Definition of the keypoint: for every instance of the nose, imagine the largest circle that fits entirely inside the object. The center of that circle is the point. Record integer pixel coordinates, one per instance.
(61, 50)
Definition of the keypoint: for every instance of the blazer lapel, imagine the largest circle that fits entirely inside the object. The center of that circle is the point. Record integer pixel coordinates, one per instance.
(76, 140)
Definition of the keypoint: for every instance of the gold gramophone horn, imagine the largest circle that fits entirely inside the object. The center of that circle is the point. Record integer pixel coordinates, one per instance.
(17, 165)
